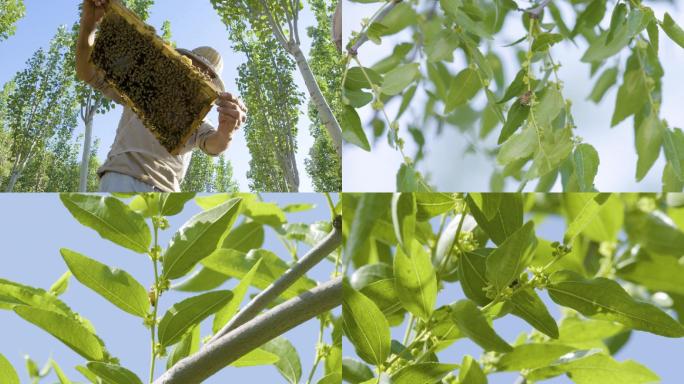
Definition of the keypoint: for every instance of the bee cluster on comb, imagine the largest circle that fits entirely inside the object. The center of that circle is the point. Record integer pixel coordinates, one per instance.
(161, 86)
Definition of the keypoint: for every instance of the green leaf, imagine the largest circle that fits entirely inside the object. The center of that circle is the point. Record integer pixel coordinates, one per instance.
(600, 368)
(515, 118)
(69, 331)
(474, 325)
(545, 40)
(263, 212)
(655, 272)
(422, 373)
(399, 78)
(173, 203)
(188, 313)
(618, 36)
(471, 372)
(198, 238)
(441, 259)
(331, 378)
(472, 268)
(115, 285)
(585, 161)
(603, 227)
(464, 87)
(113, 374)
(188, 345)
(415, 280)
(203, 279)
(603, 84)
(606, 299)
(432, 204)
(585, 215)
(357, 80)
(531, 356)
(7, 373)
(365, 326)
(508, 217)
(404, 218)
(226, 313)
(352, 130)
(655, 232)
(648, 139)
(111, 219)
(506, 263)
(409, 180)
(371, 207)
(516, 87)
(528, 306)
(548, 108)
(289, 365)
(237, 264)
(255, 358)
(673, 145)
(631, 96)
(673, 30)
(354, 371)
(61, 376)
(60, 286)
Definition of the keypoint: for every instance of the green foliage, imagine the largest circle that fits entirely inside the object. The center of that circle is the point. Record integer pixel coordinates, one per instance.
(206, 237)
(610, 261)
(451, 72)
(10, 12)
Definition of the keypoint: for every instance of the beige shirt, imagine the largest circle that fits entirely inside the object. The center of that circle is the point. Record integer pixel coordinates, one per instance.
(136, 151)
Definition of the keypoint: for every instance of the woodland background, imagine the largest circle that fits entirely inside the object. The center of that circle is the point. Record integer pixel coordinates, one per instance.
(282, 147)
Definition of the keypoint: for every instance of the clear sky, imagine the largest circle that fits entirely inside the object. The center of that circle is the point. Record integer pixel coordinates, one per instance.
(660, 354)
(193, 23)
(451, 170)
(40, 226)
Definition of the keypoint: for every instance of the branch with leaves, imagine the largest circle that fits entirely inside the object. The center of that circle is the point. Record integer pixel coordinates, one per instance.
(537, 145)
(406, 253)
(218, 246)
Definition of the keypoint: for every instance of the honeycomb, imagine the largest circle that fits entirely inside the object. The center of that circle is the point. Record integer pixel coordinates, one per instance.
(169, 95)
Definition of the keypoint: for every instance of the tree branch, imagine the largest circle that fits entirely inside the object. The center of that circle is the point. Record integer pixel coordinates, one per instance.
(229, 348)
(363, 37)
(536, 11)
(308, 261)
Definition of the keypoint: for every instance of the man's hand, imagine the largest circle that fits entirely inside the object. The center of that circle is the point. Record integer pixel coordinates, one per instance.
(93, 11)
(232, 113)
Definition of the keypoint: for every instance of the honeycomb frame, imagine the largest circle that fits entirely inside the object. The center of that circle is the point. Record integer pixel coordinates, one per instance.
(147, 89)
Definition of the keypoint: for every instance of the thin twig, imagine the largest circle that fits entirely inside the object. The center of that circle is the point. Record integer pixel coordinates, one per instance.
(536, 11)
(229, 348)
(363, 37)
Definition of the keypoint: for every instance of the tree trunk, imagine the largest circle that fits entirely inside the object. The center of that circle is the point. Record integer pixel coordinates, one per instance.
(85, 159)
(324, 112)
(14, 176)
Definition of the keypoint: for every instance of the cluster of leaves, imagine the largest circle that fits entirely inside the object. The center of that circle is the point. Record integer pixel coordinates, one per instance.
(271, 28)
(210, 248)
(323, 165)
(37, 120)
(536, 139)
(615, 269)
(204, 174)
(10, 12)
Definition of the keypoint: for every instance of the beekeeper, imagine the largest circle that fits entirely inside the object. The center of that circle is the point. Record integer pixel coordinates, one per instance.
(137, 162)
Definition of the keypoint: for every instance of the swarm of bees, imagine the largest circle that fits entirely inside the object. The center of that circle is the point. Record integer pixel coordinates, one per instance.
(162, 87)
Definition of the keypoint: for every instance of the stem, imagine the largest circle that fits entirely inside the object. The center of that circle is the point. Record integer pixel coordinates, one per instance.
(412, 320)
(331, 205)
(157, 294)
(317, 360)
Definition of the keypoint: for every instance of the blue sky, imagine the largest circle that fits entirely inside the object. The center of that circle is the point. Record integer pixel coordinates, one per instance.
(40, 226)
(660, 354)
(452, 170)
(193, 23)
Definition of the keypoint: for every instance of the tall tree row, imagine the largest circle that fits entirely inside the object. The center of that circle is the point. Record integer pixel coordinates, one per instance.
(324, 167)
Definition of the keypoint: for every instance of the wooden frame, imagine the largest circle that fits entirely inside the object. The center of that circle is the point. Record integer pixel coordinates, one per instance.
(208, 91)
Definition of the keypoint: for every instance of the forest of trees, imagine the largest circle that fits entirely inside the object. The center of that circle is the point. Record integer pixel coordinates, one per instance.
(42, 105)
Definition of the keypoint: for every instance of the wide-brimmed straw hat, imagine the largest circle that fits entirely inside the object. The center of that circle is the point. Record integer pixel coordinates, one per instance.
(209, 59)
